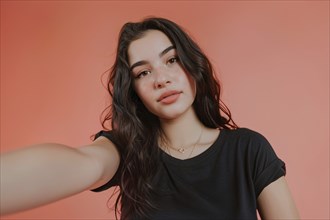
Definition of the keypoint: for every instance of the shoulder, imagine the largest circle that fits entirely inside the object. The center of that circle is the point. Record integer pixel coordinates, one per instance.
(105, 133)
(246, 135)
(111, 136)
(245, 132)
(249, 144)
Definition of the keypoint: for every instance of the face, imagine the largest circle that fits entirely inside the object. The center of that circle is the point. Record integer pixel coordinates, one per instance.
(158, 77)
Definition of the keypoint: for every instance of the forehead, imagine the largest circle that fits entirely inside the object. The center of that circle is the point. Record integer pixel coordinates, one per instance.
(148, 46)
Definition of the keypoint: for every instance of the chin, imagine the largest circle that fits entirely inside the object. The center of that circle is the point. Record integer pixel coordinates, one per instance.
(169, 117)
(172, 114)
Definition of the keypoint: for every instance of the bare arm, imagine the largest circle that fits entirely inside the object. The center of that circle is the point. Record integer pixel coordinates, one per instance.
(45, 173)
(275, 202)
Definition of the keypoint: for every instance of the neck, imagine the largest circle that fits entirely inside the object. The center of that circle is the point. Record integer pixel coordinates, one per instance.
(182, 131)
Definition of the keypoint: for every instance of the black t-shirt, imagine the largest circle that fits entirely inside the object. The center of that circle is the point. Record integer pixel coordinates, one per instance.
(223, 182)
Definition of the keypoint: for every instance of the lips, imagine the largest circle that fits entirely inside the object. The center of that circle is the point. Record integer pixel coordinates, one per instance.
(169, 96)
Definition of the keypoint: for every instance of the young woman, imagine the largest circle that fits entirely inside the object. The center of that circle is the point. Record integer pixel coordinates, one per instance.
(173, 148)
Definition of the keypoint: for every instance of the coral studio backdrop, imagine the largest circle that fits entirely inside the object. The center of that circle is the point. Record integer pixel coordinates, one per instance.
(271, 56)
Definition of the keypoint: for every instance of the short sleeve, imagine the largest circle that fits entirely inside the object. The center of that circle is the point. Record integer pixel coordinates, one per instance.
(267, 167)
(115, 179)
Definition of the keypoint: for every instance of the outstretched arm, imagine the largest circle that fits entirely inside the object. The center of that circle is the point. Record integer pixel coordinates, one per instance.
(275, 202)
(45, 173)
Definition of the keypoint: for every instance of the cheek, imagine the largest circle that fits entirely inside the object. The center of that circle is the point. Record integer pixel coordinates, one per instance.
(142, 91)
(191, 83)
(145, 96)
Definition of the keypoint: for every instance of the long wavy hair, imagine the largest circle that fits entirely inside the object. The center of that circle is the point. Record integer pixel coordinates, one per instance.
(136, 130)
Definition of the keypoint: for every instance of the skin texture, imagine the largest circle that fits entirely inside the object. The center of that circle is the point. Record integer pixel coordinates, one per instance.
(47, 171)
(276, 202)
(160, 73)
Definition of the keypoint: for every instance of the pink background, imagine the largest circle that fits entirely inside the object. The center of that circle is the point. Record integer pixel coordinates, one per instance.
(272, 58)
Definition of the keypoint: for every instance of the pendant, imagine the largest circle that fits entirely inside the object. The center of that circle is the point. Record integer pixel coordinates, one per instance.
(181, 150)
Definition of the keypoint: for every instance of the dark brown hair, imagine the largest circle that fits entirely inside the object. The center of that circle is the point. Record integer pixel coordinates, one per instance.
(136, 130)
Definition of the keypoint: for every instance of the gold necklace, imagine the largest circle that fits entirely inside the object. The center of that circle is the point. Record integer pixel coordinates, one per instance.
(182, 149)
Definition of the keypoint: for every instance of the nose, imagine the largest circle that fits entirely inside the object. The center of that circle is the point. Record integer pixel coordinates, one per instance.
(162, 78)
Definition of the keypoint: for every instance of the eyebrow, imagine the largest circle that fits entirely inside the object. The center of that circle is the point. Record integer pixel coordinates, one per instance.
(143, 62)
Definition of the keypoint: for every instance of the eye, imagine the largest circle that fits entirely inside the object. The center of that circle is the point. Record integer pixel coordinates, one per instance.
(142, 74)
(173, 60)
